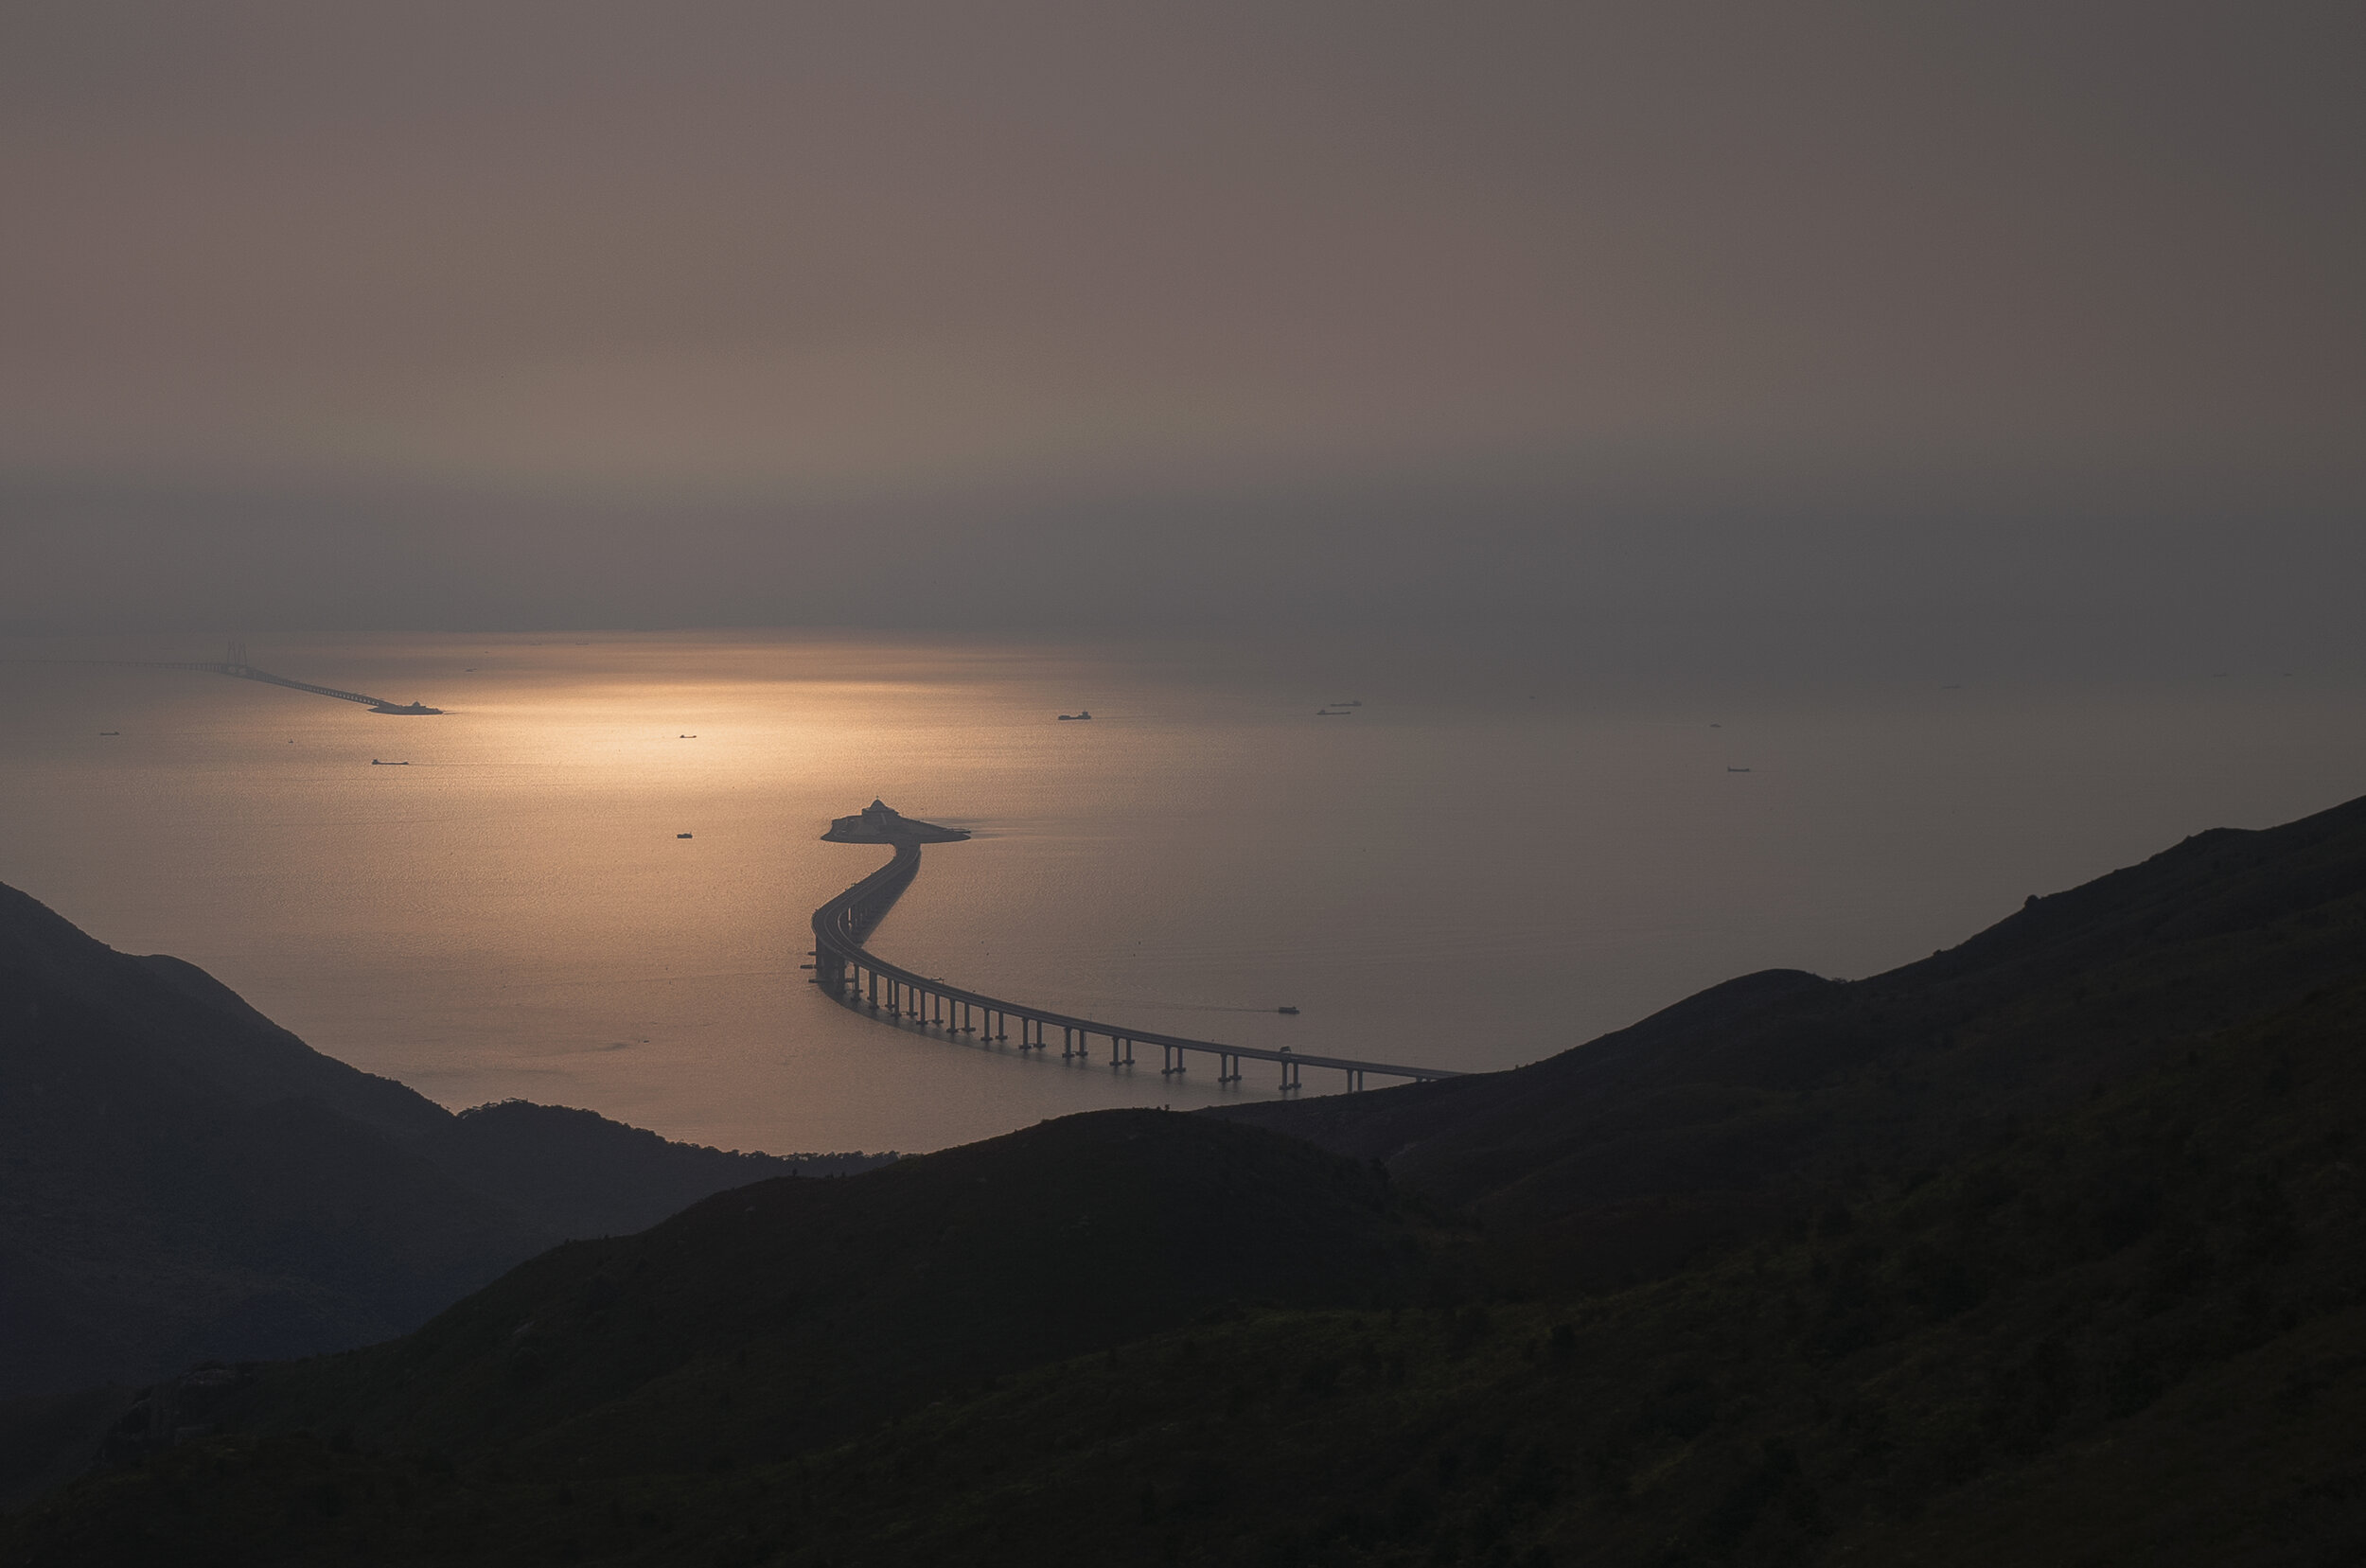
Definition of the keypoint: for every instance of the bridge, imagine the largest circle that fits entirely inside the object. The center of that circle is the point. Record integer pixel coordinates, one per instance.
(846, 969)
(236, 666)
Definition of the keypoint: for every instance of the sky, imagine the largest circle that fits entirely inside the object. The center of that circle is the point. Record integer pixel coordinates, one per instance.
(1840, 332)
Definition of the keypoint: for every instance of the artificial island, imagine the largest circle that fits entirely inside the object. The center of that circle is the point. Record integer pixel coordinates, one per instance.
(846, 969)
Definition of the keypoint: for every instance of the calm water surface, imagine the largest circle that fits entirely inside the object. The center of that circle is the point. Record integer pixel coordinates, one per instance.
(1487, 863)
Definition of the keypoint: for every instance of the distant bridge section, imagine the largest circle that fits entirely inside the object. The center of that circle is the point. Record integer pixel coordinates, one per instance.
(237, 665)
(845, 968)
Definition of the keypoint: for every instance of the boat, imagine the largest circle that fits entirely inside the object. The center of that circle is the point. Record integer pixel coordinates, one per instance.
(1330, 712)
(681, 835)
(1080, 712)
(1737, 770)
(106, 732)
(1289, 1011)
(376, 762)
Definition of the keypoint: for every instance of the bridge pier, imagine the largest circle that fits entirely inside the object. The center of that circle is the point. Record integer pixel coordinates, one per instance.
(855, 978)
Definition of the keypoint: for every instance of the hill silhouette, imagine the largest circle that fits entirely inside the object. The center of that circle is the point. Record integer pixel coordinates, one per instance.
(188, 1181)
(2050, 1249)
(1740, 1106)
(791, 1313)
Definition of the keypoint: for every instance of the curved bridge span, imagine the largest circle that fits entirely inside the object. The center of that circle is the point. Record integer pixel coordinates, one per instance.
(844, 968)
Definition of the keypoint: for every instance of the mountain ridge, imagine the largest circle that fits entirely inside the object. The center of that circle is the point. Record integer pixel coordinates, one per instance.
(2051, 1247)
(187, 1180)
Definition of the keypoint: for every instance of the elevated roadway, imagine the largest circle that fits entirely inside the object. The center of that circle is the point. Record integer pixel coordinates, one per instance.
(844, 968)
(237, 666)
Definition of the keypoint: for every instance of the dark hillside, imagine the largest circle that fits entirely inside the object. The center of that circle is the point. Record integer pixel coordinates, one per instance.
(1745, 1104)
(2128, 1333)
(794, 1312)
(185, 1179)
(2051, 1248)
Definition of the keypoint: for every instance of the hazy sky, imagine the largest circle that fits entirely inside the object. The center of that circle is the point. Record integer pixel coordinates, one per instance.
(498, 313)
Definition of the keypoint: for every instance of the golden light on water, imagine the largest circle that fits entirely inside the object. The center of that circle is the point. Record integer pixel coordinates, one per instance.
(1443, 877)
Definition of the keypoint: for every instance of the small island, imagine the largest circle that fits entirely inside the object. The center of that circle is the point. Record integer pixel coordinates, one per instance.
(881, 823)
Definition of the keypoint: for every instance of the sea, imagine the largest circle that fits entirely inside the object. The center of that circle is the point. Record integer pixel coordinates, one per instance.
(589, 880)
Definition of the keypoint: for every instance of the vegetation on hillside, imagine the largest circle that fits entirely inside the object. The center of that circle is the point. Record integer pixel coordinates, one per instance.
(2050, 1249)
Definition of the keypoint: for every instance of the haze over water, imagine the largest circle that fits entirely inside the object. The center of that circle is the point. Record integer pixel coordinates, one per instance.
(1482, 865)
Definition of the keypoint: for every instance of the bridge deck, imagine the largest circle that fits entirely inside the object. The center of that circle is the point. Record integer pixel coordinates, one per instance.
(248, 672)
(842, 925)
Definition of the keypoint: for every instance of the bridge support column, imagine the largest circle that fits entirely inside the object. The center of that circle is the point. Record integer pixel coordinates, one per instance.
(874, 991)
(1289, 1075)
(1172, 1059)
